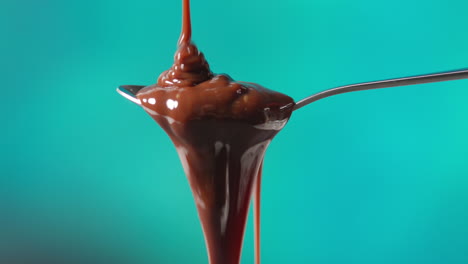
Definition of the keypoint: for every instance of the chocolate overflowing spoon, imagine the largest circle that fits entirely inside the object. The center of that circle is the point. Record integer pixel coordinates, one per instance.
(221, 129)
(130, 91)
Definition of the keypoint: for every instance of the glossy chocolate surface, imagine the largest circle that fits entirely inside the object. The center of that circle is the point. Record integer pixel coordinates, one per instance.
(221, 129)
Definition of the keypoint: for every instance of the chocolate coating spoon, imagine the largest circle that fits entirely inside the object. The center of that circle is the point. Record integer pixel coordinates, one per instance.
(130, 91)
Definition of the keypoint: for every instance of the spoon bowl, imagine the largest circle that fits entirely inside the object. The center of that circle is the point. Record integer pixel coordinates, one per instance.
(130, 91)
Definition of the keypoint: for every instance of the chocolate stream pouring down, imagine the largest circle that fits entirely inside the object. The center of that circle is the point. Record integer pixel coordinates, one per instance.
(221, 129)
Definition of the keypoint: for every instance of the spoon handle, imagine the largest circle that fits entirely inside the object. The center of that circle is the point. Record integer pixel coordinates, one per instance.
(419, 79)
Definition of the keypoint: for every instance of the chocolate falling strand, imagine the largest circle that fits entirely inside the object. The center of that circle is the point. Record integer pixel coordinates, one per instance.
(186, 33)
(257, 200)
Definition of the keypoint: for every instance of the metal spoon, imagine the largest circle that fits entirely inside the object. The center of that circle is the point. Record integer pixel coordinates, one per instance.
(130, 91)
(419, 79)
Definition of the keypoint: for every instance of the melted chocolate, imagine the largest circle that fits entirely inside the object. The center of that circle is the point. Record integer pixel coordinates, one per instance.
(221, 129)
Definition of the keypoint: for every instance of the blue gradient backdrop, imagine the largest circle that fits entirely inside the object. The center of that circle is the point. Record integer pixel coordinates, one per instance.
(370, 177)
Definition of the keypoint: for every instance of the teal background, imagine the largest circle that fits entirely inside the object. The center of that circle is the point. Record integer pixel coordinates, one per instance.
(370, 177)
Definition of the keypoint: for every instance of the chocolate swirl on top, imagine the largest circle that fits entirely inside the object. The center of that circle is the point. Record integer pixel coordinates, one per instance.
(189, 69)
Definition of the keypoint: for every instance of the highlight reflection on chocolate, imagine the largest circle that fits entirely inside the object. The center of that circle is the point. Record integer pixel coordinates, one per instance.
(221, 129)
